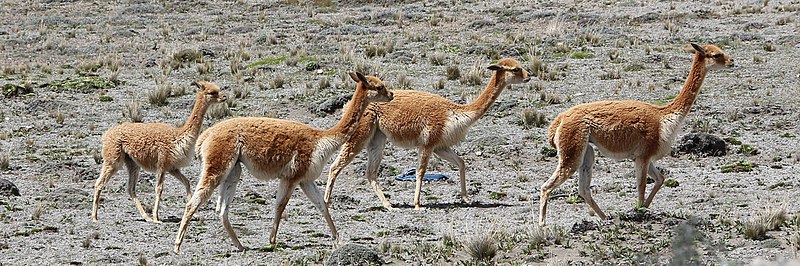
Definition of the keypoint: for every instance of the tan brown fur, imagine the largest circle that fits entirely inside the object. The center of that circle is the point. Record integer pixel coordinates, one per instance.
(292, 152)
(155, 147)
(425, 121)
(624, 130)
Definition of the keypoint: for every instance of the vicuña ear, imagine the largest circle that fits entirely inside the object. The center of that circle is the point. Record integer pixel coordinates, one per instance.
(354, 76)
(362, 78)
(495, 67)
(698, 48)
(198, 84)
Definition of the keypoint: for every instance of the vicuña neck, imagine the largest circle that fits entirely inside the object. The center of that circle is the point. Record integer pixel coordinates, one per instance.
(352, 113)
(489, 94)
(683, 102)
(195, 120)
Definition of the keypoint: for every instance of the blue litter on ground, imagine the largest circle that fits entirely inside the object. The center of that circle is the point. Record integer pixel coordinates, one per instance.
(411, 175)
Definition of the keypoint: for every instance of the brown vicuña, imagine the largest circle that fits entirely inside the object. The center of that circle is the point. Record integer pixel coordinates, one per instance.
(624, 130)
(289, 151)
(425, 121)
(155, 147)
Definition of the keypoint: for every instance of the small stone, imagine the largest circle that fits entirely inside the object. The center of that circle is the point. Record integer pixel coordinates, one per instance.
(354, 254)
(7, 188)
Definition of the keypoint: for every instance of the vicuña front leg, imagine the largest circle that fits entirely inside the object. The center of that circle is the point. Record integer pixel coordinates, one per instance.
(108, 170)
(313, 194)
(424, 156)
(285, 189)
(655, 173)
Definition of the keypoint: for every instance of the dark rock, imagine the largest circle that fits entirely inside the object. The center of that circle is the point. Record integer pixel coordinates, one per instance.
(354, 254)
(583, 226)
(7, 188)
(703, 144)
(330, 105)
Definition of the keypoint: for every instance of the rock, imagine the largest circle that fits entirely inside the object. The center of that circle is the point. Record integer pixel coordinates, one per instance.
(354, 254)
(330, 105)
(7, 188)
(703, 144)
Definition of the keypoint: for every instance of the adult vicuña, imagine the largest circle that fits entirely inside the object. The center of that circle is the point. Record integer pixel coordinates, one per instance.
(624, 130)
(425, 121)
(269, 148)
(155, 147)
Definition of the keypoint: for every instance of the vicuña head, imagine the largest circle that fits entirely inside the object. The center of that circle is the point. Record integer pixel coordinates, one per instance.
(155, 147)
(624, 130)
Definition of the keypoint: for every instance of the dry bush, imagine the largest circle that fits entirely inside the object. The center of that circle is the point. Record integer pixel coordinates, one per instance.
(757, 227)
(277, 82)
(531, 118)
(133, 111)
(437, 59)
(4, 162)
(474, 77)
(403, 82)
(548, 235)
(453, 72)
(220, 111)
(613, 73)
(324, 83)
(482, 248)
(158, 96)
(439, 85)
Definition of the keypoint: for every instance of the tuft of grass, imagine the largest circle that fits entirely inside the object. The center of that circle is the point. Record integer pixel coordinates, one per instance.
(770, 47)
(671, 183)
(324, 83)
(549, 98)
(4, 162)
(738, 167)
(474, 77)
(158, 96)
(220, 111)
(732, 140)
(482, 248)
(439, 85)
(59, 117)
(142, 260)
(545, 236)
(106, 98)
(87, 242)
(381, 49)
(241, 92)
(437, 59)
(453, 72)
(278, 81)
(756, 228)
(36, 214)
(133, 111)
(611, 74)
(581, 55)
(748, 150)
(403, 82)
(531, 118)
(548, 151)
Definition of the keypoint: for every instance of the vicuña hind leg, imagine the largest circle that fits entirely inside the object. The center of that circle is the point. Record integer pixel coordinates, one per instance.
(449, 155)
(133, 177)
(655, 173)
(374, 157)
(108, 170)
(226, 192)
(571, 147)
(210, 178)
(313, 194)
(351, 148)
(640, 172)
(585, 181)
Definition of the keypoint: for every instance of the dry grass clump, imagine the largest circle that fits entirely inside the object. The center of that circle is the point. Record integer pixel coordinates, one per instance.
(545, 236)
(403, 82)
(453, 72)
(481, 248)
(437, 59)
(324, 83)
(757, 227)
(4, 162)
(183, 58)
(474, 77)
(278, 81)
(531, 118)
(87, 242)
(439, 85)
(133, 111)
(158, 96)
(220, 111)
(381, 49)
(613, 73)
